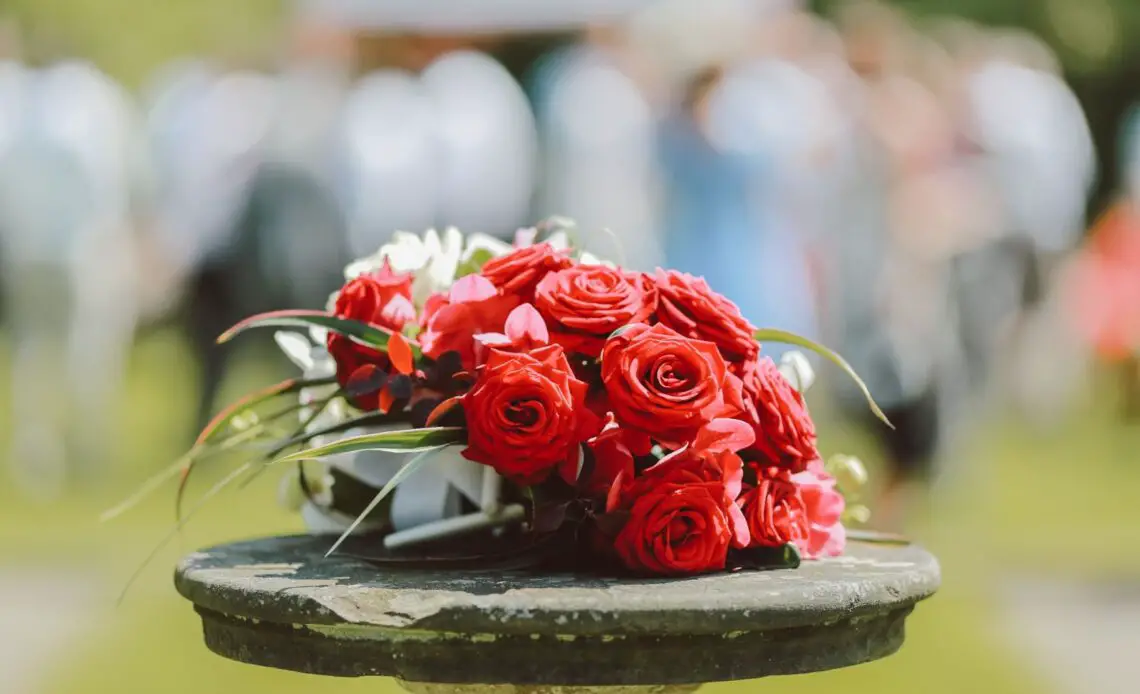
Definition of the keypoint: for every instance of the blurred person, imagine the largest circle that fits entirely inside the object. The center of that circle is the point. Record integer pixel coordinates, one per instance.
(12, 79)
(447, 140)
(186, 198)
(598, 140)
(720, 146)
(486, 143)
(284, 240)
(294, 218)
(1039, 158)
(388, 172)
(206, 129)
(71, 275)
(887, 305)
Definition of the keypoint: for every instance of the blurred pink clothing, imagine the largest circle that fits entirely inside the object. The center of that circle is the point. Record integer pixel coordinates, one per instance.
(1104, 289)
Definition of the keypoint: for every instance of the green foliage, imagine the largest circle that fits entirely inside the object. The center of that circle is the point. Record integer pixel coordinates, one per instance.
(131, 39)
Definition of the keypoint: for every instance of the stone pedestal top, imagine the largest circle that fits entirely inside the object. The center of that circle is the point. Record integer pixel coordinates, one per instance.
(278, 602)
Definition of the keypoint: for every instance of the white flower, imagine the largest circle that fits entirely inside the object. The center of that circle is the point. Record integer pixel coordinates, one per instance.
(437, 274)
(559, 240)
(484, 242)
(587, 258)
(433, 259)
(796, 368)
(298, 349)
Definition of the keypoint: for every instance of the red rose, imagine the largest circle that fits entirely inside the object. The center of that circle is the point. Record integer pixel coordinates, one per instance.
(785, 433)
(677, 530)
(612, 460)
(666, 385)
(382, 298)
(473, 306)
(775, 510)
(585, 303)
(682, 512)
(710, 457)
(520, 271)
(824, 506)
(690, 307)
(526, 415)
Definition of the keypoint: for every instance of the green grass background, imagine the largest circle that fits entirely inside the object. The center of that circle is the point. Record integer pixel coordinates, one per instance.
(1059, 502)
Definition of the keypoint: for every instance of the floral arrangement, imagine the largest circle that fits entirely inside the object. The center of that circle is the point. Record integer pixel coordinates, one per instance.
(625, 415)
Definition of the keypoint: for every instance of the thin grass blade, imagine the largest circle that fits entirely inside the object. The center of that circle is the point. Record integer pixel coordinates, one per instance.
(227, 445)
(210, 493)
(288, 386)
(405, 441)
(371, 335)
(409, 467)
(785, 337)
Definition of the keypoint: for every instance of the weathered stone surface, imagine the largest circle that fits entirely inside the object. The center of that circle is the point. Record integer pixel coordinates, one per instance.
(278, 602)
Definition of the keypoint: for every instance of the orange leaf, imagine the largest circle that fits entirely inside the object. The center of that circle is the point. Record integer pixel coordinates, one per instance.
(386, 400)
(400, 352)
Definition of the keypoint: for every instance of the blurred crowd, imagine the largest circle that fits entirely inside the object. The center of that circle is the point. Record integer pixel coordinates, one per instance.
(909, 193)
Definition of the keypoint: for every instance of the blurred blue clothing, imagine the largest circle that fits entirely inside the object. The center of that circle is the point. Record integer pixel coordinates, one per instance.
(720, 223)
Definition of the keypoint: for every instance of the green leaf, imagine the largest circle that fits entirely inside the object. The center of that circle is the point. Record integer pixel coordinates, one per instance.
(475, 262)
(784, 557)
(404, 441)
(145, 490)
(409, 467)
(785, 337)
(370, 335)
(367, 420)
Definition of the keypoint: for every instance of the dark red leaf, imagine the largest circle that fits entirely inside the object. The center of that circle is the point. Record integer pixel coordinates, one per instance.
(366, 380)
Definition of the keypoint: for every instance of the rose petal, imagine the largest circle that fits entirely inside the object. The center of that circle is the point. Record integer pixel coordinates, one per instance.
(740, 535)
(725, 435)
(471, 288)
(524, 323)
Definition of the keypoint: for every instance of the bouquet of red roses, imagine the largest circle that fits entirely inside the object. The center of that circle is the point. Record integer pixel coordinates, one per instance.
(633, 407)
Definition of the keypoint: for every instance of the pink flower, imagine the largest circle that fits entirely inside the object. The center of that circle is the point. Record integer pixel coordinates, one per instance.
(524, 331)
(473, 306)
(824, 505)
